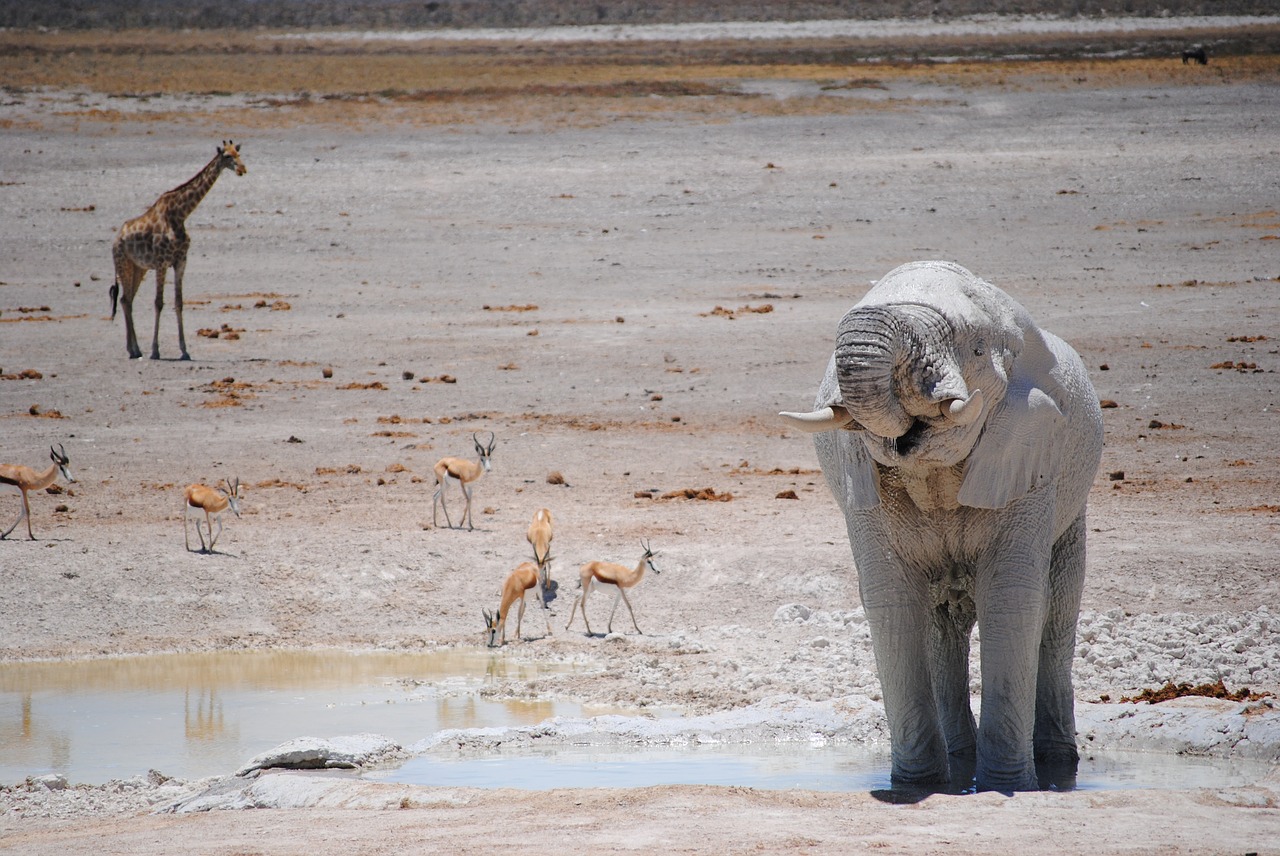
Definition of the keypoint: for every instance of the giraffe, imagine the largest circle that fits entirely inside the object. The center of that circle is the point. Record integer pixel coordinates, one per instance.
(158, 240)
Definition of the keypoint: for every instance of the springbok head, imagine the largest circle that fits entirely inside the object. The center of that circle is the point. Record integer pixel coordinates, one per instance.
(59, 457)
(648, 557)
(232, 493)
(491, 621)
(485, 450)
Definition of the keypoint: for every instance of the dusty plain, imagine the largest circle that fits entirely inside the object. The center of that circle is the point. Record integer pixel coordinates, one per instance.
(622, 262)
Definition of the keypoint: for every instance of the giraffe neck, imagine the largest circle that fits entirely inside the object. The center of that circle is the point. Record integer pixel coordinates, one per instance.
(182, 200)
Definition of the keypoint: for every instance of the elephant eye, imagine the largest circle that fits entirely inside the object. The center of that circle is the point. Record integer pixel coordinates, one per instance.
(977, 352)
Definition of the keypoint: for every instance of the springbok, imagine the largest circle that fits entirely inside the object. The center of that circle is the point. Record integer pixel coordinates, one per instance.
(516, 586)
(212, 501)
(15, 478)
(539, 537)
(465, 473)
(608, 573)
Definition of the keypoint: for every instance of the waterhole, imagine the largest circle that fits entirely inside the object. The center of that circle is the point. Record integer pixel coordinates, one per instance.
(195, 715)
(199, 715)
(779, 767)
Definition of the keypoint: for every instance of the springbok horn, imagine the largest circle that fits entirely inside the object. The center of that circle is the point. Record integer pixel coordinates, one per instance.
(965, 411)
(816, 421)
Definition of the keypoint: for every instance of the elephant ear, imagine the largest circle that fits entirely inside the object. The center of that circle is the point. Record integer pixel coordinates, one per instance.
(1016, 451)
(846, 463)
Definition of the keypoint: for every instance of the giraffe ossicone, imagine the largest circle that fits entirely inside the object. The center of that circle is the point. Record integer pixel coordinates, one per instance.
(157, 241)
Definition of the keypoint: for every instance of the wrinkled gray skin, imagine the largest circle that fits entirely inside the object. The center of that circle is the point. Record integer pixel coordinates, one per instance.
(961, 519)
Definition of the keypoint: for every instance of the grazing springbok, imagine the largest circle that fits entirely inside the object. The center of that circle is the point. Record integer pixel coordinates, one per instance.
(15, 478)
(608, 573)
(212, 501)
(539, 537)
(516, 586)
(465, 473)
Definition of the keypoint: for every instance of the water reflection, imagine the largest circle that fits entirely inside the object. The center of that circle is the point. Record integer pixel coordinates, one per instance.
(195, 715)
(205, 719)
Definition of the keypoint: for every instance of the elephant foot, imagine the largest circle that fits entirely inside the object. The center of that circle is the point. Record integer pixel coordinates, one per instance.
(929, 777)
(1006, 781)
(1057, 775)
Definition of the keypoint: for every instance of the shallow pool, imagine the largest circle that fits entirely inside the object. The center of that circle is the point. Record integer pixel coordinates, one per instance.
(193, 715)
(198, 715)
(773, 767)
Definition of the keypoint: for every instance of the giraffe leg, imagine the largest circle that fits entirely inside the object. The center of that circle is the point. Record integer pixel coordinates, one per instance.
(128, 276)
(129, 282)
(155, 337)
(180, 267)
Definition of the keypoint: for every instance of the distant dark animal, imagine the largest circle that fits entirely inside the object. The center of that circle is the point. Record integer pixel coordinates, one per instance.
(1198, 54)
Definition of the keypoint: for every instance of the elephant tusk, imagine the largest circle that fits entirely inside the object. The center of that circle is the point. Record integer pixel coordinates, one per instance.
(816, 421)
(965, 411)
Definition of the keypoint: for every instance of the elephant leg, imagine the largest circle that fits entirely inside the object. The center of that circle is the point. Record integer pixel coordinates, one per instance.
(952, 628)
(899, 620)
(1012, 595)
(1055, 728)
(155, 336)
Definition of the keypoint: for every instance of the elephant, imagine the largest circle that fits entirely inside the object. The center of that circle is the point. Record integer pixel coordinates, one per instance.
(961, 441)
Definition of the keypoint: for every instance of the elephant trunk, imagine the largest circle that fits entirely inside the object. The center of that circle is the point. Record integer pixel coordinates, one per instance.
(889, 355)
(873, 347)
(894, 366)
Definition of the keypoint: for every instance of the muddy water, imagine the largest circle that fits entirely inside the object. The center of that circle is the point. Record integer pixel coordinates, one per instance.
(197, 715)
(206, 714)
(776, 767)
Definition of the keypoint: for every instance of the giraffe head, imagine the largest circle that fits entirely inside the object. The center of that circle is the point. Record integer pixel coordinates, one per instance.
(229, 157)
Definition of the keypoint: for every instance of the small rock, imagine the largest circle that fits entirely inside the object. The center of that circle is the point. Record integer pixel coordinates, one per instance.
(51, 781)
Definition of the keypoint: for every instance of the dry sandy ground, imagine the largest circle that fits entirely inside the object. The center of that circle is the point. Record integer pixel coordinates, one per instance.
(572, 279)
